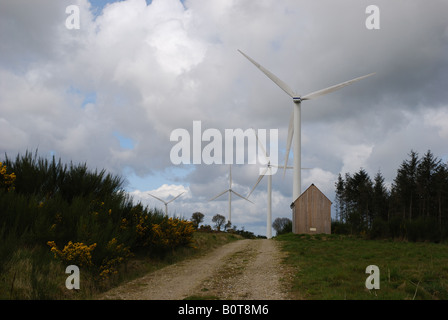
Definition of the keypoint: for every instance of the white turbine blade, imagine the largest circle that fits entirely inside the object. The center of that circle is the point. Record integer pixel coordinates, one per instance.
(175, 197)
(158, 198)
(333, 88)
(261, 146)
(258, 181)
(240, 196)
(219, 195)
(289, 141)
(271, 76)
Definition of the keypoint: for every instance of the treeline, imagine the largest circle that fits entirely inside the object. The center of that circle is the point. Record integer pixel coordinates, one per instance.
(219, 222)
(414, 208)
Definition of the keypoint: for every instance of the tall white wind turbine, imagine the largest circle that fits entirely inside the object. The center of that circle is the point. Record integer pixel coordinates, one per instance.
(294, 130)
(230, 191)
(267, 171)
(166, 202)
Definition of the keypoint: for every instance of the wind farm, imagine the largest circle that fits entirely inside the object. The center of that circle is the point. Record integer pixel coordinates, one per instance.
(127, 146)
(293, 138)
(294, 129)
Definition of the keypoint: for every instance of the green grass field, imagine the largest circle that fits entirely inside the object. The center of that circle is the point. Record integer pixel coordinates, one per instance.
(333, 267)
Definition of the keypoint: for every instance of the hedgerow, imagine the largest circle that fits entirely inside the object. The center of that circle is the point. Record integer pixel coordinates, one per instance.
(83, 217)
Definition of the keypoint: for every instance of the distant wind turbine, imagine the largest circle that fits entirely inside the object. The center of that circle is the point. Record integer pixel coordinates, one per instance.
(268, 171)
(166, 202)
(230, 191)
(294, 129)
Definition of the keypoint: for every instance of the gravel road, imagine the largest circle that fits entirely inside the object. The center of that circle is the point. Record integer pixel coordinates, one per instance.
(241, 270)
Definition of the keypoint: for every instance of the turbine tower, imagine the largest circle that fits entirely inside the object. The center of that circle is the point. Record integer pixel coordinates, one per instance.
(166, 202)
(294, 130)
(267, 171)
(230, 191)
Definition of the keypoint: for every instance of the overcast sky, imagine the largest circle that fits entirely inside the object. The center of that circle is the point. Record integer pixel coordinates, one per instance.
(111, 92)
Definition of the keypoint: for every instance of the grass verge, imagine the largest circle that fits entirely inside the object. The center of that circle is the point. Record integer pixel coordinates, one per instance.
(333, 267)
(33, 273)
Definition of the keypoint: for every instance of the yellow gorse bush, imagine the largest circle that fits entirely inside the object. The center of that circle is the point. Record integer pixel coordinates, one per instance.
(76, 253)
(167, 234)
(6, 180)
(171, 233)
(118, 254)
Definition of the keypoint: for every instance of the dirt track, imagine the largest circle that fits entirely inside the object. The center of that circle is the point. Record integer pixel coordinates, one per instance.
(243, 270)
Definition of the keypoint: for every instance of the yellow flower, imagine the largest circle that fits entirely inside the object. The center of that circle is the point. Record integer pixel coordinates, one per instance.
(77, 253)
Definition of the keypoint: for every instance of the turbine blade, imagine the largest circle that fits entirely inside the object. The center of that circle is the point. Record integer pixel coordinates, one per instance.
(175, 197)
(219, 195)
(261, 146)
(258, 181)
(241, 196)
(289, 141)
(271, 76)
(333, 88)
(158, 198)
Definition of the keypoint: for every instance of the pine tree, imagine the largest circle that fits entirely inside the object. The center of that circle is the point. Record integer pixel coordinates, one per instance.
(339, 200)
(358, 193)
(380, 198)
(441, 187)
(405, 186)
(426, 171)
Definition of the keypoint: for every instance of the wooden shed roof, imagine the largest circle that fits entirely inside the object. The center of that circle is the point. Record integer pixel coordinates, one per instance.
(312, 185)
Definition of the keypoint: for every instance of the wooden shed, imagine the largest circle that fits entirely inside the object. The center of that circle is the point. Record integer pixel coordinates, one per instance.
(311, 212)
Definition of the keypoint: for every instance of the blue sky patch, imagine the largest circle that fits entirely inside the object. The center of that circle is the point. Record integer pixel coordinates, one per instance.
(125, 143)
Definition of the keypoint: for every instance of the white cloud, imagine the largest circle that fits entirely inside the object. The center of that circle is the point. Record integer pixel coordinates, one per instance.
(438, 118)
(355, 157)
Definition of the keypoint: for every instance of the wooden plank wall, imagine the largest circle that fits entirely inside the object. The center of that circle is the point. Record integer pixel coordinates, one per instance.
(312, 212)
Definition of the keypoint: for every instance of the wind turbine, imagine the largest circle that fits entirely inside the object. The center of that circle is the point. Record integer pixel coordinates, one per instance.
(268, 170)
(230, 191)
(294, 129)
(166, 202)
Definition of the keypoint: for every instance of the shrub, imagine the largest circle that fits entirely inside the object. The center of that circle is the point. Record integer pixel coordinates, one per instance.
(6, 179)
(282, 225)
(379, 229)
(205, 228)
(76, 253)
(172, 233)
(44, 203)
(117, 254)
